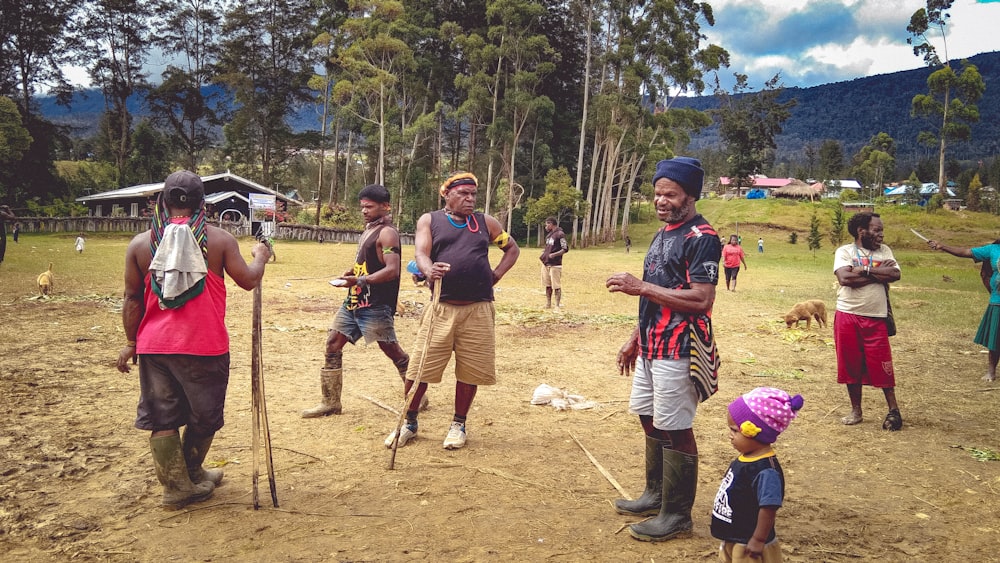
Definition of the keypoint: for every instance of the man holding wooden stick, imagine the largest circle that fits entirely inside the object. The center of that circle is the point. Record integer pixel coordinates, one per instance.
(452, 249)
(174, 319)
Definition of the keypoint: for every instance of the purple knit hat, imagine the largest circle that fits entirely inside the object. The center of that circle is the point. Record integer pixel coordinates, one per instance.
(768, 412)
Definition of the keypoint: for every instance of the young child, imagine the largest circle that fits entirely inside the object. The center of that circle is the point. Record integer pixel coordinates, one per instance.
(753, 489)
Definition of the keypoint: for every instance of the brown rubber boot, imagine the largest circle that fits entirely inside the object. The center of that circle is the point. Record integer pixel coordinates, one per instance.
(172, 472)
(195, 447)
(331, 383)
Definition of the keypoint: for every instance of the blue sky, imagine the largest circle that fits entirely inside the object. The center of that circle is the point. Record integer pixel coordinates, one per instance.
(814, 42)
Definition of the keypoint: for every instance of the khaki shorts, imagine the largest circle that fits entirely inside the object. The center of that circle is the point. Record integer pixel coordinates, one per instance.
(552, 276)
(468, 330)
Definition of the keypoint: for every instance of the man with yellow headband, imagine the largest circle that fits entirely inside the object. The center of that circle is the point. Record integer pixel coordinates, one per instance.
(452, 249)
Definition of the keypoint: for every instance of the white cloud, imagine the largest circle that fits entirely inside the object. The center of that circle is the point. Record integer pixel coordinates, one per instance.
(820, 41)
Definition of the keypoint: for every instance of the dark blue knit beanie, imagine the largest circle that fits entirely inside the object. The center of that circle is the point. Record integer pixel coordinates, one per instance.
(684, 170)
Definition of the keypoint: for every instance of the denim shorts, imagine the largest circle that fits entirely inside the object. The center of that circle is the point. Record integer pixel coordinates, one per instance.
(375, 323)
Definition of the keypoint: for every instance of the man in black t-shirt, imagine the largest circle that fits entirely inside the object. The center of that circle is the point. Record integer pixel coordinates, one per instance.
(555, 248)
(672, 350)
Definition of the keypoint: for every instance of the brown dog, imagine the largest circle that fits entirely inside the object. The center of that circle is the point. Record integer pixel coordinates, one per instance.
(45, 280)
(807, 310)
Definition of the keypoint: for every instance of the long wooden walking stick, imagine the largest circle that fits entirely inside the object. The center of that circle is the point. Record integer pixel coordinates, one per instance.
(259, 407)
(407, 395)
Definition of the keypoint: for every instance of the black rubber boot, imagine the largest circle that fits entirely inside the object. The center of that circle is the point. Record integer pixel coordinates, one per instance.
(680, 483)
(649, 502)
(195, 446)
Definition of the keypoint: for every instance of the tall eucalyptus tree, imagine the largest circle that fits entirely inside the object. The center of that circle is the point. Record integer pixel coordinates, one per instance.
(374, 60)
(653, 52)
(265, 62)
(117, 39)
(188, 32)
(527, 59)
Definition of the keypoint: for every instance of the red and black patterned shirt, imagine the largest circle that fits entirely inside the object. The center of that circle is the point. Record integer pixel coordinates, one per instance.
(680, 254)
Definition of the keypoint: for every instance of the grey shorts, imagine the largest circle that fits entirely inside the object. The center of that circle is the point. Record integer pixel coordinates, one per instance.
(663, 389)
(182, 390)
(375, 323)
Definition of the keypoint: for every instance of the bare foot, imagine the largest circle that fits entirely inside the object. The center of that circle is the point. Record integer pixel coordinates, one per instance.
(990, 377)
(851, 419)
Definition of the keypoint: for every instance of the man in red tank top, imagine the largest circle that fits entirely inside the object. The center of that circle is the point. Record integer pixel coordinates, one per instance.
(174, 319)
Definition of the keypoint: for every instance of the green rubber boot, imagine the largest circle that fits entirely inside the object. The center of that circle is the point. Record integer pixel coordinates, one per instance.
(331, 383)
(172, 472)
(195, 447)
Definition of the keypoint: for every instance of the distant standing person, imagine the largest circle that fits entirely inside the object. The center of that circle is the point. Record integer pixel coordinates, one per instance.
(864, 268)
(760, 245)
(369, 308)
(672, 349)
(174, 319)
(17, 231)
(552, 255)
(5, 215)
(80, 243)
(628, 244)
(988, 334)
(732, 256)
(452, 248)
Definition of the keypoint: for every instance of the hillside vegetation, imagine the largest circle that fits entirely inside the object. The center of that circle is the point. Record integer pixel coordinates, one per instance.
(853, 111)
(776, 219)
(850, 112)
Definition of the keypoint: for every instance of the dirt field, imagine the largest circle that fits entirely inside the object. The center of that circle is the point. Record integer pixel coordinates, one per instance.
(77, 480)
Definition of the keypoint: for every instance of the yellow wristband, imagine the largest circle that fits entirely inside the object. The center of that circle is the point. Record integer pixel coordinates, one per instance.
(130, 343)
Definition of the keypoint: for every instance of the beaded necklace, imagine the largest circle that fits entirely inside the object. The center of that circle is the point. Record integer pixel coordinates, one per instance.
(468, 222)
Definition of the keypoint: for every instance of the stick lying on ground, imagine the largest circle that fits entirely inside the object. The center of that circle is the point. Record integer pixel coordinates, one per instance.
(601, 468)
(379, 404)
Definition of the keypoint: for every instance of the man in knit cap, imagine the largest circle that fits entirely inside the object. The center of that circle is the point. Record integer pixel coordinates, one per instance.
(753, 489)
(452, 249)
(672, 350)
(175, 326)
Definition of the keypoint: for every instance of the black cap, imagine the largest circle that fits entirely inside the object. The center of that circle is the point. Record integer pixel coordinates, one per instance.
(184, 189)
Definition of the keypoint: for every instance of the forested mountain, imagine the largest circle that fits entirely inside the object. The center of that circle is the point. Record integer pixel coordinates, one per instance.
(850, 112)
(853, 112)
(537, 97)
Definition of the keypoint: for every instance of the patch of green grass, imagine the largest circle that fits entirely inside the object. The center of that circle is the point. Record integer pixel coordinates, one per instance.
(981, 454)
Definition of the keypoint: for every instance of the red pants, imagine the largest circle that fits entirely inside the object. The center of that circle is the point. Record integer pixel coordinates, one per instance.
(863, 352)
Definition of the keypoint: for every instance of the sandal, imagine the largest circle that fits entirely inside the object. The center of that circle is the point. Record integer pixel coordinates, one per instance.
(893, 421)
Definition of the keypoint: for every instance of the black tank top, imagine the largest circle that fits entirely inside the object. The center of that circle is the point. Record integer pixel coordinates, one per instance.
(366, 264)
(467, 249)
